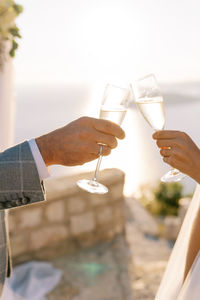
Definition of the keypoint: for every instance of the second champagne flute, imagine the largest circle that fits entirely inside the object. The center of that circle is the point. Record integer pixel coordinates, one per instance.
(150, 102)
(113, 108)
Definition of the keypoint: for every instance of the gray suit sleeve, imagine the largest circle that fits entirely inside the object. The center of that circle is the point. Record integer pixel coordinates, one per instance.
(19, 180)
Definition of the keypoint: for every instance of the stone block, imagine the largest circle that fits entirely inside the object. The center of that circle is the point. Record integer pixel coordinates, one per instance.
(71, 215)
(19, 244)
(119, 211)
(86, 240)
(110, 177)
(48, 236)
(30, 218)
(142, 218)
(60, 188)
(104, 215)
(76, 205)
(82, 223)
(119, 217)
(105, 232)
(55, 211)
(116, 191)
(97, 200)
(119, 227)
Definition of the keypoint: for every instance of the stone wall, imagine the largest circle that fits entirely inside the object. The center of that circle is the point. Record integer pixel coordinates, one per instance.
(69, 220)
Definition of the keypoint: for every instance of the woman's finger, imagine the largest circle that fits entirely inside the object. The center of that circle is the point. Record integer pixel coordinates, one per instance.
(176, 144)
(166, 152)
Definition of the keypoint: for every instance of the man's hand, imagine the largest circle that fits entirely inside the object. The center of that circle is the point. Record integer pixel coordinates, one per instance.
(179, 151)
(78, 142)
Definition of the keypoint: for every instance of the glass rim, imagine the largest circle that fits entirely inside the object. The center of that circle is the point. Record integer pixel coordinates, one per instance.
(147, 76)
(116, 86)
(139, 82)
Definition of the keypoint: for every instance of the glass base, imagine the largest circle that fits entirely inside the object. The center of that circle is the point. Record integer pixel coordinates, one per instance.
(172, 176)
(92, 186)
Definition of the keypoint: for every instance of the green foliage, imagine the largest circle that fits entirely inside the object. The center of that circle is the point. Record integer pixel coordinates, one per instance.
(9, 11)
(14, 47)
(163, 199)
(168, 196)
(18, 8)
(15, 32)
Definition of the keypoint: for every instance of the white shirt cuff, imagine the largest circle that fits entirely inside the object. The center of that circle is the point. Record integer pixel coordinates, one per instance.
(40, 164)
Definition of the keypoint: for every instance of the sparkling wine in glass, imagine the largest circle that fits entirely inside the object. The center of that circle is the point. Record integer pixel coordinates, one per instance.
(113, 108)
(150, 102)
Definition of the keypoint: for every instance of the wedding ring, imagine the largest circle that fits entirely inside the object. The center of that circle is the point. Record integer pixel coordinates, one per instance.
(100, 150)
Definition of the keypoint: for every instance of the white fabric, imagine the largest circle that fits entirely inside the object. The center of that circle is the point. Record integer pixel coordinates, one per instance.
(191, 288)
(31, 281)
(41, 166)
(171, 285)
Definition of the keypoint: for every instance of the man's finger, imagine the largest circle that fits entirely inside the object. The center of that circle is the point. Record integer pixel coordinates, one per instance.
(106, 139)
(95, 150)
(109, 127)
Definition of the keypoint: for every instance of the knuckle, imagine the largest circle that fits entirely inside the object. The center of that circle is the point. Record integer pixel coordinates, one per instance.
(173, 152)
(83, 120)
(184, 135)
(176, 153)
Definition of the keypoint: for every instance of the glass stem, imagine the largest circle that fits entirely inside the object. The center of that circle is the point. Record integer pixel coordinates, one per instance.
(97, 168)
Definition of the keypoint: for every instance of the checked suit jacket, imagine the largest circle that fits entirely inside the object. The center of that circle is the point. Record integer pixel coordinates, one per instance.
(19, 185)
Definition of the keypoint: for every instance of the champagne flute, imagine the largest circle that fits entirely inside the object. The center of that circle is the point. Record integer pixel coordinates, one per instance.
(150, 102)
(113, 108)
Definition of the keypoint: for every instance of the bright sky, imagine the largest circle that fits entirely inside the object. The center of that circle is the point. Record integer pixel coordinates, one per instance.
(107, 40)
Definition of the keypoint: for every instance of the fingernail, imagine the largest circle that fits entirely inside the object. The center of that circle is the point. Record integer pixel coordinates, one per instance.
(123, 135)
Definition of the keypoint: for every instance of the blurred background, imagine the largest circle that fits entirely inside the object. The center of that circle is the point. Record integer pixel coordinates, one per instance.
(71, 49)
(68, 52)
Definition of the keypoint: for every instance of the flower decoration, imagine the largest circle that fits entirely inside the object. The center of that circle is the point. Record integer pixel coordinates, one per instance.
(9, 10)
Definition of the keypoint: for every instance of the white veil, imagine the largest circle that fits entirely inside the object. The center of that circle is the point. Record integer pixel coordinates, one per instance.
(171, 283)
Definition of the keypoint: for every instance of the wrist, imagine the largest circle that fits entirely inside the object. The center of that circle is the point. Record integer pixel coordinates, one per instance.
(44, 146)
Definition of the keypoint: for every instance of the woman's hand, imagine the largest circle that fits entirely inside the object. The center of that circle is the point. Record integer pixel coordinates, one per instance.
(179, 151)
